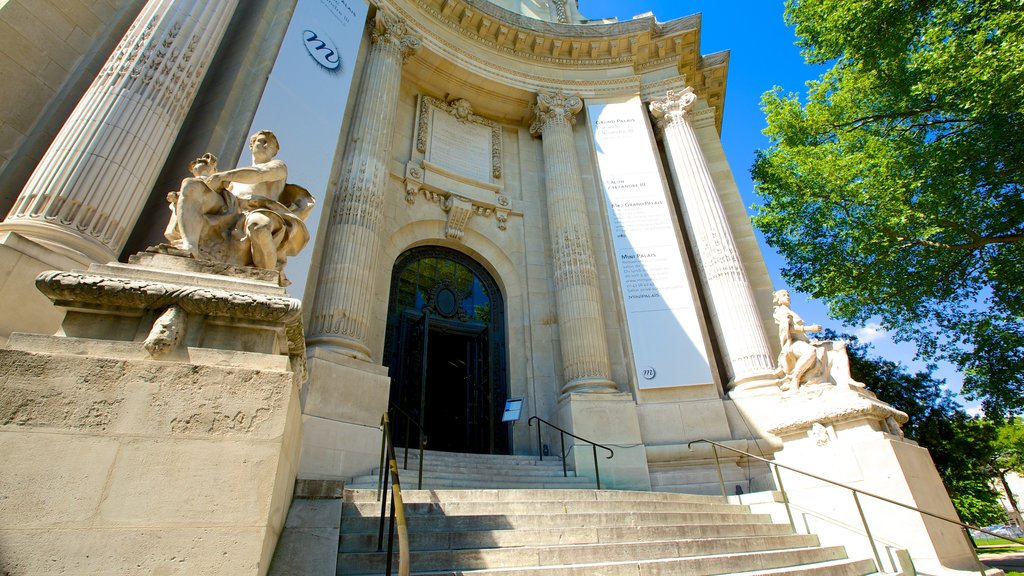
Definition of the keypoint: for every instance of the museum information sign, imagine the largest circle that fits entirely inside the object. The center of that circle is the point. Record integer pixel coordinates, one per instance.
(304, 101)
(664, 330)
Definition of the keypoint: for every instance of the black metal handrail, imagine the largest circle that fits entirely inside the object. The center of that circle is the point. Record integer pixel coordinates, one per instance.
(397, 516)
(423, 444)
(593, 445)
(855, 491)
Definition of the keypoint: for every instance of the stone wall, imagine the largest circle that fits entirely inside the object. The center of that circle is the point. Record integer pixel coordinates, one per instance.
(142, 467)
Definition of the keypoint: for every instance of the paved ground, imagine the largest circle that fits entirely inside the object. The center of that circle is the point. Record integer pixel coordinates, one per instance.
(1011, 562)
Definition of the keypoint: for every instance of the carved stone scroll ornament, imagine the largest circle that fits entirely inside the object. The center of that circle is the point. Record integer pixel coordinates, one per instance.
(555, 108)
(167, 331)
(390, 29)
(674, 107)
(459, 210)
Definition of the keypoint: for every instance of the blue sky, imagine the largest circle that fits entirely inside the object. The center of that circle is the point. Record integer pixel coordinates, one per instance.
(763, 54)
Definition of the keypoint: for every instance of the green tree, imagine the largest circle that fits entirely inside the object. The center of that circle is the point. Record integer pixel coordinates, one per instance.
(1008, 456)
(960, 446)
(896, 189)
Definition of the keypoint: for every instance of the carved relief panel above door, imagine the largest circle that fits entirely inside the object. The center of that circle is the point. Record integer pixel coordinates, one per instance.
(457, 164)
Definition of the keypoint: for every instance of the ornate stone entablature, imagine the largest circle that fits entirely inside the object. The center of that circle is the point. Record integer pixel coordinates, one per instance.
(457, 163)
(568, 50)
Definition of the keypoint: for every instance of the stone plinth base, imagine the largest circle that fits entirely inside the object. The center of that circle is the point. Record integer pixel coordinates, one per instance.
(142, 467)
(22, 307)
(341, 409)
(852, 439)
(609, 419)
(159, 431)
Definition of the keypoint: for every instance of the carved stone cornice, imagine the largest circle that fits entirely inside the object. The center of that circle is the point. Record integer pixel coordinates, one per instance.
(78, 288)
(554, 109)
(674, 107)
(391, 30)
(827, 405)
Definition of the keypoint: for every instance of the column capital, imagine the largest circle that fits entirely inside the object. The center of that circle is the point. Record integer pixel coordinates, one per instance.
(391, 30)
(555, 108)
(674, 107)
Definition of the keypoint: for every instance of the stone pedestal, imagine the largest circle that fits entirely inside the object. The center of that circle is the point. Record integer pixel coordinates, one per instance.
(854, 439)
(341, 410)
(609, 419)
(134, 450)
(22, 307)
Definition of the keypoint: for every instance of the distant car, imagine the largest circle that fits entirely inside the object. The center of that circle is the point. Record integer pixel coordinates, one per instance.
(1004, 530)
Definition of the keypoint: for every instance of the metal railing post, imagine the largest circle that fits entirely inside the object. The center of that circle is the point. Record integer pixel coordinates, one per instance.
(391, 539)
(970, 542)
(785, 497)
(718, 466)
(597, 471)
(419, 480)
(383, 507)
(867, 532)
(561, 435)
(540, 444)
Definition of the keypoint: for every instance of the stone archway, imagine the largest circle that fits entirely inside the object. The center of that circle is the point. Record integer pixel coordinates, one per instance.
(445, 347)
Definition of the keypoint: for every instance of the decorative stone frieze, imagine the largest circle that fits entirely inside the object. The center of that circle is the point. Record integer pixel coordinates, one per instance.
(734, 311)
(91, 185)
(341, 307)
(580, 318)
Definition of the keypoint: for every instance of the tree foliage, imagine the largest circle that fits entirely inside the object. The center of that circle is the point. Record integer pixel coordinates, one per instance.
(960, 446)
(896, 189)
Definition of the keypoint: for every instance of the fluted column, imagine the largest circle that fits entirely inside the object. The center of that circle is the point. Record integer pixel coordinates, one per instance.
(580, 320)
(728, 290)
(341, 308)
(91, 185)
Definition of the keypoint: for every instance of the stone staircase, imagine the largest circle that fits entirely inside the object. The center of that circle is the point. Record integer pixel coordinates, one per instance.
(573, 531)
(449, 470)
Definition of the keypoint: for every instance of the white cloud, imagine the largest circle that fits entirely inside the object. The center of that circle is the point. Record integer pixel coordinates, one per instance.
(976, 411)
(870, 333)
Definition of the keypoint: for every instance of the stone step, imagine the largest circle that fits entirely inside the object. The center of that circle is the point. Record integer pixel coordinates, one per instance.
(369, 524)
(432, 481)
(541, 507)
(493, 459)
(485, 495)
(565, 561)
(561, 536)
(490, 471)
(839, 567)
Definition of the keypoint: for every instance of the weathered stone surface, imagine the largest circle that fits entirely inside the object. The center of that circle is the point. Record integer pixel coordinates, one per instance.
(142, 467)
(62, 392)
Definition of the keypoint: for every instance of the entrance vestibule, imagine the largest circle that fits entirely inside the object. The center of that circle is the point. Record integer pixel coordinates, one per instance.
(446, 353)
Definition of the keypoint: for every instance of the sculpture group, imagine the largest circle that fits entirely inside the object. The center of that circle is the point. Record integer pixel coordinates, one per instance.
(247, 216)
(804, 361)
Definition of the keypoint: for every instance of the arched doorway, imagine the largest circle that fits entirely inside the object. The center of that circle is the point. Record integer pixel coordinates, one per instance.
(446, 351)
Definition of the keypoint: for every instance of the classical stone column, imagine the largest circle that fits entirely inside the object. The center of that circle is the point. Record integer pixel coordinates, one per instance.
(580, 320)
(88, 190)
(341, 308)
(741, 333)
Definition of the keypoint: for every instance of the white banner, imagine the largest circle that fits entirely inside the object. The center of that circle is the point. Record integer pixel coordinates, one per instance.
(304, 102)
(664, 330)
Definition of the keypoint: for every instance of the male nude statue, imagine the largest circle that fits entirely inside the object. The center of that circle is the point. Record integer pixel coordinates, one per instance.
(248, 214)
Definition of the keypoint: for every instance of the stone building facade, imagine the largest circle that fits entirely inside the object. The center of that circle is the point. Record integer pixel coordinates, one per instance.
(517, 203)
